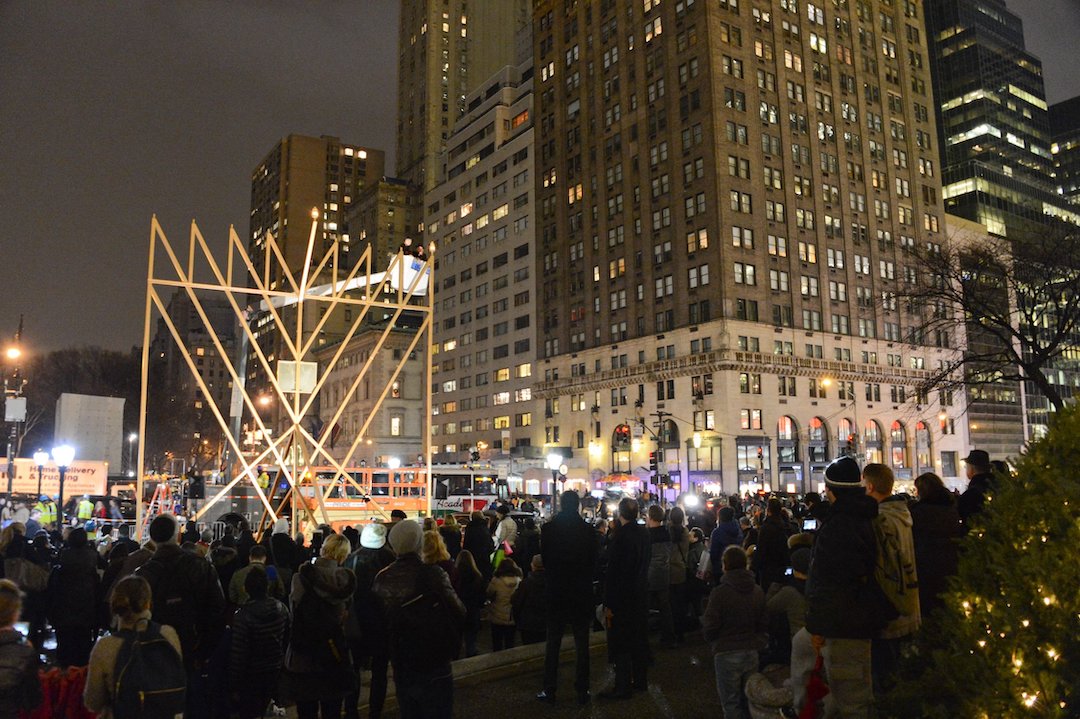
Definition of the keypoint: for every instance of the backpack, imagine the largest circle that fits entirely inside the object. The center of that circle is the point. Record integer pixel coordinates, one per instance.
(423, 634)
(896, 576)
(173, 603)
(150, 676)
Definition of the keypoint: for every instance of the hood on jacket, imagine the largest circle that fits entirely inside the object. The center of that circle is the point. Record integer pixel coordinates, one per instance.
(281, 526)
(221, 556)
(741, 580)
(896, 509)
(328, 579)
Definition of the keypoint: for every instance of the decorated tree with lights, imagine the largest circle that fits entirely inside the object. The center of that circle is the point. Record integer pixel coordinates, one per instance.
(1008, 642)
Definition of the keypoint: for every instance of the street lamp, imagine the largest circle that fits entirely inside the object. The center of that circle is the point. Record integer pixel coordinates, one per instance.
(554, 461)
(131, 443)
(13, 353)
(40, 458)
(63, 456)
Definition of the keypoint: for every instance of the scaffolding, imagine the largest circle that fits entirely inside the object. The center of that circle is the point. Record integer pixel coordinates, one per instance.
(405, 286)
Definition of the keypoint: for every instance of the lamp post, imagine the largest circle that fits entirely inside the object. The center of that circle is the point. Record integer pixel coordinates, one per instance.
(131, 444)
(63, 456)
(40, 458)
(14, 405)
(554, 461)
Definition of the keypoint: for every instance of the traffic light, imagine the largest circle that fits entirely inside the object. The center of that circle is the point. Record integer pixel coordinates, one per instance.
(652, 462)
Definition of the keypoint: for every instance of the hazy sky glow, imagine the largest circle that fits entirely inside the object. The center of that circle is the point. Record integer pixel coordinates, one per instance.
(112, 112)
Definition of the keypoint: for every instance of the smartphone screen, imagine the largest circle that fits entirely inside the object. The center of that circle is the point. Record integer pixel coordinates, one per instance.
(809, 524)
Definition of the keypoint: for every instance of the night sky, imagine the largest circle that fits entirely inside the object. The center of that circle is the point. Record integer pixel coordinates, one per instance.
(111, 112)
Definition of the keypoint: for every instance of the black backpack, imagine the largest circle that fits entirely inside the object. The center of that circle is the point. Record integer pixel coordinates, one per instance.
(424, 635)
(173, 603)
(150, 677)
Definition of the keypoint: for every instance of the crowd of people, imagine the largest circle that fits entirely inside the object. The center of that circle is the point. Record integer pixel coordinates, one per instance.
(184, 624)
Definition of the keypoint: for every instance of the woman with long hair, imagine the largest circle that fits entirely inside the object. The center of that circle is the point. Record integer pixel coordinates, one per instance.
(471, 586)
(433, 551)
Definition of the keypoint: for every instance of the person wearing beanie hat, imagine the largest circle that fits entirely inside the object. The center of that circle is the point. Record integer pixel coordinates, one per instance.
(405, 538)
(845, 607)
(187, 595)
(422, 672)
(365, 630)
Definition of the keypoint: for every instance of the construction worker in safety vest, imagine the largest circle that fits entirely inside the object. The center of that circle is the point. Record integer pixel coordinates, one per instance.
(91, 530)
(264, 479)
(85, 510)
(48, 510)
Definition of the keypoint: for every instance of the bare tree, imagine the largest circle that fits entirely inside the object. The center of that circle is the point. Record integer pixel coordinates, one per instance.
(1017, 300)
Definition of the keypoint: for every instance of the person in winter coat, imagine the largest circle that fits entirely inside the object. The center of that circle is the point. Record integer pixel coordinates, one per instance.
(20, 690)
(478, 541)
(528, 545)
(895, 571)
(936, 530)
(500, 612)
(530, 603)
(433, 551)
(788, 598)
(423, 676)
(257, 557)
(727, 532)
(451, 534)
(225, 561)
(626, 602)
(980, 474)
(660, 553)
(696, 588)
(771, 553)
(472, 591)
(256, 646)
(73, 596)
(284, 553)
(319, 673)
(843, 613)
(364, 631)
(187, 596)
(130, 606)
(735, 624)
(569, 552)
(680, 551)
(506, 529)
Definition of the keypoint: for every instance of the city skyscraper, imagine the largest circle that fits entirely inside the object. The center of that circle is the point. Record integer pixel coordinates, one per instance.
(726, 196)
(481, 218)
(1065, 131)
(303, 173)
(993, 126)
(445, 50)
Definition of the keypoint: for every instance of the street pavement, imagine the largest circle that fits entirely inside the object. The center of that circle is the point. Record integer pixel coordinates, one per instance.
(681, 684)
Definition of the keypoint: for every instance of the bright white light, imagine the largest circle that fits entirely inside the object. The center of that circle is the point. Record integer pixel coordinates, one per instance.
(63, 455)
(41, 457)
(554, 460)
(132, 437)
(393, 462)
(13, 353)
(691, 500)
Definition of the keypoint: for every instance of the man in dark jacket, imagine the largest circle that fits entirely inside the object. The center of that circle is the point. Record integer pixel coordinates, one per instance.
(423, 677)
(479, 543)
(980, 481)
(735, 624)
(568, 548)
(727, 532)
(257, 647)
(771, 555)
(843, 612)
(626, 602)
(660, 551)
(187, 597)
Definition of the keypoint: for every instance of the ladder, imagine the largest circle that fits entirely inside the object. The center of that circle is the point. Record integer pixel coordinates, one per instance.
(161, 501)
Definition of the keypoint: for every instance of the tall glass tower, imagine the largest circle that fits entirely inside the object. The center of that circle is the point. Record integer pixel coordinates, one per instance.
(993, 126)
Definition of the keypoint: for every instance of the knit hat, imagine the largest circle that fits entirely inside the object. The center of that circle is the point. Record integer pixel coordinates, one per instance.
(405, 537)
(800, 560)
(844, 473)
(373, 536)
(163, 529)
